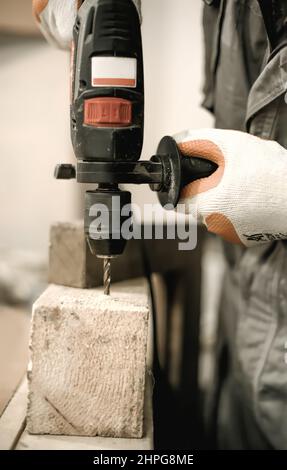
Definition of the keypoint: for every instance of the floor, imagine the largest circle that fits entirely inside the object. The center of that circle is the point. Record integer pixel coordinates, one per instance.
(14, 350)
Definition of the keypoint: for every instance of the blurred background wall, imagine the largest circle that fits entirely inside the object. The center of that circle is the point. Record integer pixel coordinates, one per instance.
(34, 126)
(34, 112)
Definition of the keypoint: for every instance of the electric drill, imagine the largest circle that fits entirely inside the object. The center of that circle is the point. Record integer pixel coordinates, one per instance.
(107, 125)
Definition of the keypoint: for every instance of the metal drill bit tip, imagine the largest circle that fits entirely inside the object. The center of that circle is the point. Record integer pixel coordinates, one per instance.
(107, 276)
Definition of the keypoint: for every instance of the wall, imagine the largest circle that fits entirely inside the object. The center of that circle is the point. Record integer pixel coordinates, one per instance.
(15, 15)
(34, 136)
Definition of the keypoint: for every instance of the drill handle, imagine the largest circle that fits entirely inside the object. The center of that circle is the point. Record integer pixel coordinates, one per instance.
(194, 168)
(178, 171)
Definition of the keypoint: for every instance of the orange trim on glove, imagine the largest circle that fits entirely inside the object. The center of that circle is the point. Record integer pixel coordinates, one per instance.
(221, 225)
(209, 151)
(37, 7)
(216, 223)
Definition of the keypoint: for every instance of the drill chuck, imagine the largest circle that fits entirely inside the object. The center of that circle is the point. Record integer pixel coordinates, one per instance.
(104, 220)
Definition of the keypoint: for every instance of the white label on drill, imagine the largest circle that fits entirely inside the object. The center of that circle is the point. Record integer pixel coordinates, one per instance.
(114, 71)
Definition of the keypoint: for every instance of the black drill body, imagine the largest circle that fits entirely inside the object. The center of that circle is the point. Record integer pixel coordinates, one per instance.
(107, 123)
(107, 110)
(107, 29)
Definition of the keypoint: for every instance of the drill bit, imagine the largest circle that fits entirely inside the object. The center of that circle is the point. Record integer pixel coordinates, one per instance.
(107, 275)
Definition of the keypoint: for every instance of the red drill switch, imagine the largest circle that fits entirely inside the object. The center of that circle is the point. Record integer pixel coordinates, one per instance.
(107, 112)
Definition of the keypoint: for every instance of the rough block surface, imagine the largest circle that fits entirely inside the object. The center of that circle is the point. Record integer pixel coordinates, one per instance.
(88, 362)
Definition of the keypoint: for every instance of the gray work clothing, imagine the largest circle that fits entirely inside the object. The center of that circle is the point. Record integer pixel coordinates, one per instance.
(246, 93)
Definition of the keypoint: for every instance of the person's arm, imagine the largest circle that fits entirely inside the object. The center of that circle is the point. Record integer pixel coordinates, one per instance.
(245, 200)
(56, 19)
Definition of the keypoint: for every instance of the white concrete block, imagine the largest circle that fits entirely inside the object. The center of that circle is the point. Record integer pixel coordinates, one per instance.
(89, 361)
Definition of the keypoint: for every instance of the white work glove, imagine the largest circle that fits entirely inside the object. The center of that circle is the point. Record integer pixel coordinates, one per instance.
(56, 19)
(245, 199)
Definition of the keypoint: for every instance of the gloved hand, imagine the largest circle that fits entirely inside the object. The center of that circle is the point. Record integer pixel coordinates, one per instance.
(245, 199)
(56, 19)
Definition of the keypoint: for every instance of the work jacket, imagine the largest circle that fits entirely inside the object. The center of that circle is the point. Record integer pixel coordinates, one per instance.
(247, 91)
